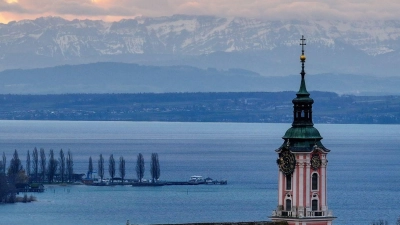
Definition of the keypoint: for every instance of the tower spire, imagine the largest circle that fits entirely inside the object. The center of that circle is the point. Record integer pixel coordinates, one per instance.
(302, 162)
(303, 134)
(303, 89)
(302, 57)
(302, 104)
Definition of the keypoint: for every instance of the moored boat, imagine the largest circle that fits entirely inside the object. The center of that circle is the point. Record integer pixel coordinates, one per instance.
(197, 180)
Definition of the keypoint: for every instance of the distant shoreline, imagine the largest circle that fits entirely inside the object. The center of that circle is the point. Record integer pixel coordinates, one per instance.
(237, 107)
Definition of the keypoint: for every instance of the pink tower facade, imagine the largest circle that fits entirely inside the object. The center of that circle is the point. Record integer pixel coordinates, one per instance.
(302, 162)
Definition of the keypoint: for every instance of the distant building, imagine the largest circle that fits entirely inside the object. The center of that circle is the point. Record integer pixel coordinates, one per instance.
(302, 162)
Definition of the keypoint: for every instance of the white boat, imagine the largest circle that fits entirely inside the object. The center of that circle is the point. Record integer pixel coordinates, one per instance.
(196, 180)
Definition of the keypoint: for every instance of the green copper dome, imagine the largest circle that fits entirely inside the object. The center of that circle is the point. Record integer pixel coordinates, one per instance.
(302, 133)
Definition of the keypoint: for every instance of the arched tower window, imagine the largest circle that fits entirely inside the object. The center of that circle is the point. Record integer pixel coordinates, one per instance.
(314, 204)
(288, 205)
(289, 182)
(314, 185)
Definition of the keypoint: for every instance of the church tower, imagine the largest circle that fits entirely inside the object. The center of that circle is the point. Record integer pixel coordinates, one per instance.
(302, 163)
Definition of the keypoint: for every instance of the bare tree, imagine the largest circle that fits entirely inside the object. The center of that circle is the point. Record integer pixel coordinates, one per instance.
(111, 167)
(4, 162)
(122, 168)
(70, 166)
(35, 164)
(2, 169)
(42, 164)
(8, 191)
(140, 167)
(154, 167)
(398, 221)
(3, 183)
(4, 189)
(101, 167)
(52, 167)
(61, 162)
(90, 169)
(28, 164)
(380, 222)
(15, 167)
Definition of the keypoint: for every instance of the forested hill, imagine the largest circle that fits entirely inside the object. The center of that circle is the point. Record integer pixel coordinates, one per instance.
(257, 107)
(111, 77)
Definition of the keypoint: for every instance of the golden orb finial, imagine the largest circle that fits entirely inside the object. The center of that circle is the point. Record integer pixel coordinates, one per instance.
(303, 58)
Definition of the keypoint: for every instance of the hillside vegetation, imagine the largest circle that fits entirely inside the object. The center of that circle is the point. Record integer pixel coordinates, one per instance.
(257, 107)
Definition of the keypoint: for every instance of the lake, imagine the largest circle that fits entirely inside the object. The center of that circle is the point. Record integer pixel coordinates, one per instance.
(363, 171)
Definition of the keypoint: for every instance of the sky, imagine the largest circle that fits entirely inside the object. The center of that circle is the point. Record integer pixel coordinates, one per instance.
(115, 10)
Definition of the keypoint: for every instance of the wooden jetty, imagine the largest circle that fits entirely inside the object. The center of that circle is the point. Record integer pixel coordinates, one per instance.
(29, 188)
(207, 181)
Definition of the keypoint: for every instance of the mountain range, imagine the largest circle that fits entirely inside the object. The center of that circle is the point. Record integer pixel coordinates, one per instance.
(112, 77)
(268, 48)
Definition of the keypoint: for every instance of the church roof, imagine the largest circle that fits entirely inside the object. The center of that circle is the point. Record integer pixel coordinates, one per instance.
(302, 136)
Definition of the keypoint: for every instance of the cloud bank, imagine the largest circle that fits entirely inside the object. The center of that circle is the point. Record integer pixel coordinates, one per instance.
(114, 10)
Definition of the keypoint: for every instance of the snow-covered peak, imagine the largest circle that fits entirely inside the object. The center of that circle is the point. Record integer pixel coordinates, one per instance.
(180, 35)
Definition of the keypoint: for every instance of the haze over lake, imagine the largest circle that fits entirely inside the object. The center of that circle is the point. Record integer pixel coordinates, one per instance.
(363, 171)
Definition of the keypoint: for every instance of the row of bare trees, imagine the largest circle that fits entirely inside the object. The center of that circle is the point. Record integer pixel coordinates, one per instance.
(35, 171)
(63, 167)
(111, 167)
(384, 222)
(140, 167)
(9, 177)
(38, 168)
(154, 167)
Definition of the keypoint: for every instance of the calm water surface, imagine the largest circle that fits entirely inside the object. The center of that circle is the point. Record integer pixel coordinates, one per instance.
(363, 171)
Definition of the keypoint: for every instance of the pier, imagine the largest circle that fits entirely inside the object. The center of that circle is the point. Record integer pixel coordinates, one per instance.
(30, 188)
(207, 181)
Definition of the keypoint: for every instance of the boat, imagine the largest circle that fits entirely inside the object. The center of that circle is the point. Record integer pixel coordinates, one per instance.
(197, 180)
(209, 180)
